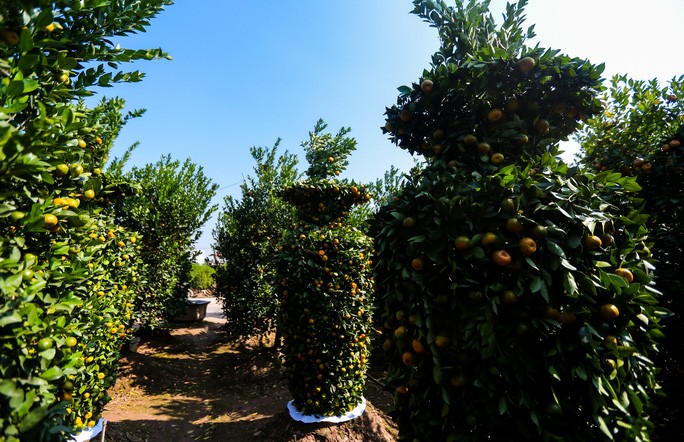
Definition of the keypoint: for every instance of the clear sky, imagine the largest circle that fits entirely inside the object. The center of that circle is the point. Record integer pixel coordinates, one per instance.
(245, 73)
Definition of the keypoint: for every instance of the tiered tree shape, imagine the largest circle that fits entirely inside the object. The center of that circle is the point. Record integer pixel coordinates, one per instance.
(325, 284)
(517, 297)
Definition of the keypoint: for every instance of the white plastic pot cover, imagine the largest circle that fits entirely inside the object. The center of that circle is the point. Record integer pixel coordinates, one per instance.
(309, 419)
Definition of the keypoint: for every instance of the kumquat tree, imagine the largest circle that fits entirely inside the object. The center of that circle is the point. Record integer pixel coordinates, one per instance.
(247, 236)
(170, 204)
(325, 284)
(67, 270)
(640, 134)
(518, 298)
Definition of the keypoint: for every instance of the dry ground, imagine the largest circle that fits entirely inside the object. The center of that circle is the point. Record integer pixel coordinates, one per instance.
(193, 384)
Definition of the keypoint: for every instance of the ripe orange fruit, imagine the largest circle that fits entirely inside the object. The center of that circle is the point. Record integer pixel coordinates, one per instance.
(417, 264)
(526, 64)
(417, 346)
(490, 239)
(609, 311)
(407, 359)
(675, 143)
(527, 246)
(402, 389)
(462, 243)
(426, 86)
(494, 115)
(501, 258)
(592, 242)
(50, 220)
(625, 273)
(496, 159)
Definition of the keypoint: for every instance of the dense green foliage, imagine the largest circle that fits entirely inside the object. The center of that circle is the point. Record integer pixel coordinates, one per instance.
(518, 295)
(67, 271)
(171, 203)
(201, 276)
(325, 283)
(641, 134)
(247, 236)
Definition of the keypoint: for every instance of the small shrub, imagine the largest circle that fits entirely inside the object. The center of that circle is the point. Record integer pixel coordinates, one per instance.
(201, 276)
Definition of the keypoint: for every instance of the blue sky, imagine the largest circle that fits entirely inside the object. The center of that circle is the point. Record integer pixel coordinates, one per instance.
(247, 73)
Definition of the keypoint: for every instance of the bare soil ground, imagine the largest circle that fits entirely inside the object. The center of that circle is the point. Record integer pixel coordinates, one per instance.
(193, 384)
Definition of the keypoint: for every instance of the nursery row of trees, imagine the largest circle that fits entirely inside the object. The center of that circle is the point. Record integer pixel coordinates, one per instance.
(516, 293)
(87, 249)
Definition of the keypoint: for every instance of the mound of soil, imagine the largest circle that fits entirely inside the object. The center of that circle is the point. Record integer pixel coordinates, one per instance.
(193, 384)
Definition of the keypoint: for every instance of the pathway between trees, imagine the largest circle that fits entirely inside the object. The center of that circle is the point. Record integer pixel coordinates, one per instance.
(192, 384)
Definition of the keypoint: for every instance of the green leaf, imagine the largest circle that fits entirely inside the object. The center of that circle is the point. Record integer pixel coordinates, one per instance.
(503, 406)
(32, 418)
(12, 317)
(555, 249)
(52, 373)
(569, 283)
(604, 428)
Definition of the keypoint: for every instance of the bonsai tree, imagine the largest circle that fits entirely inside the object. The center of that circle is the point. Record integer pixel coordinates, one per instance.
(517, 295)
(325, 284)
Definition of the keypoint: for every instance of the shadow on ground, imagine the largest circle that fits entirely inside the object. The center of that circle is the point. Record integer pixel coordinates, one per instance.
(193, 384)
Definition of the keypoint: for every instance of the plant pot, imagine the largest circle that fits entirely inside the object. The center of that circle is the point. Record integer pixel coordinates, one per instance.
(195, 312)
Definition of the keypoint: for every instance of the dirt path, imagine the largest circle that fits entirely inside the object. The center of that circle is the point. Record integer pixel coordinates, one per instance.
(193, 384)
